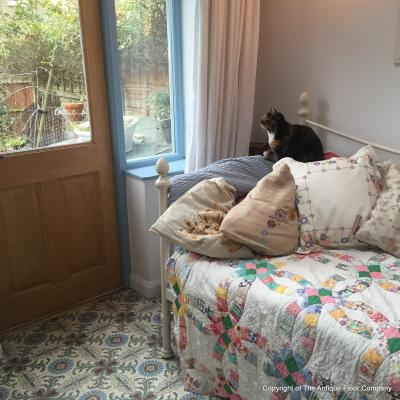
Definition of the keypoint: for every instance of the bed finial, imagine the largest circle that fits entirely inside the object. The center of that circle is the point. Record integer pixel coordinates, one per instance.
(304, 110)
(162, 184)
(162, 166)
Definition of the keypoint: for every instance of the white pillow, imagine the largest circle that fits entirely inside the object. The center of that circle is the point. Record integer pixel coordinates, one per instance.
(334, 197)
(194, 221)
(383, 228)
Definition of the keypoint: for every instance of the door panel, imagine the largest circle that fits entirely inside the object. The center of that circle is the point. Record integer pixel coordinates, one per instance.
(84, 219)
(58, 231)
(22, 226)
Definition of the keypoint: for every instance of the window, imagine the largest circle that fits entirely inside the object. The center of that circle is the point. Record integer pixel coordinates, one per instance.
(147, 40)
(43, 99)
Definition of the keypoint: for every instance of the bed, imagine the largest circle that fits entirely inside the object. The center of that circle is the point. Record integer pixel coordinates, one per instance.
(323, 325)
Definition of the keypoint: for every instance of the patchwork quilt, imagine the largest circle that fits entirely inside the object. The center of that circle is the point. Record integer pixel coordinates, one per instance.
(318, 326)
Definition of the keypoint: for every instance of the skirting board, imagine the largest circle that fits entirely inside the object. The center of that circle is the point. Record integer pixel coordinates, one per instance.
(146, 288)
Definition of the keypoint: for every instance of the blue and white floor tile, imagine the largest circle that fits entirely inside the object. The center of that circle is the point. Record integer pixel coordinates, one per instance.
(107, 350)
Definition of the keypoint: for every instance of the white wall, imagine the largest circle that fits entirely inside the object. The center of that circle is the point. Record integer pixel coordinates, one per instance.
(341, 52)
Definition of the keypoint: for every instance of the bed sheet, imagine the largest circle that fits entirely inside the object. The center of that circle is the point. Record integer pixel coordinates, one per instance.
(295, 327)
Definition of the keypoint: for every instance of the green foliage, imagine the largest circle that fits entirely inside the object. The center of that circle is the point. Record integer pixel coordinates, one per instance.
(142, 32)
(12, 143)
(41, 34)
(6, 120)
(8, 141)
(159, 101)
(37, 28)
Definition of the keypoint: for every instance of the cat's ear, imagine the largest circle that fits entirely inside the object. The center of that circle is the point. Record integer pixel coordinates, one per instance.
(273, 110)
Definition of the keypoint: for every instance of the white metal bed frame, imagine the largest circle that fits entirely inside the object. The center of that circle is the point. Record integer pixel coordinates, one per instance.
(162, 184)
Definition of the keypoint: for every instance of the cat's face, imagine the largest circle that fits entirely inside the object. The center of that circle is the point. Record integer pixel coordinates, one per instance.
(271, 120)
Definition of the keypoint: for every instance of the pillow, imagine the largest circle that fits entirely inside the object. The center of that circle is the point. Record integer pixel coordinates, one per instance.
(193, 221)
(266, 220)
(383, 228)
(334, 197)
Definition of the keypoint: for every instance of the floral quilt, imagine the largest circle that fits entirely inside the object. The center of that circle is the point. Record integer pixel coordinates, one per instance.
(319, 326)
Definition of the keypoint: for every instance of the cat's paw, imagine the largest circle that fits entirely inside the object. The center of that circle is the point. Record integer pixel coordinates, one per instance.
(270, 155)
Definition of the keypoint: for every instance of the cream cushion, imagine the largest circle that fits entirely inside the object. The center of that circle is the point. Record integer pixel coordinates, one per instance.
(334, 197)
(193, 221)
(266, 220)
(383, 228)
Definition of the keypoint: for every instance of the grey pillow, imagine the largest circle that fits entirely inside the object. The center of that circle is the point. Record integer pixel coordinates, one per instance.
(242, 173)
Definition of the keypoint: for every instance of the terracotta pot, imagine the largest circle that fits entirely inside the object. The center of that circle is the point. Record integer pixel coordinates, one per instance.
(74, 111)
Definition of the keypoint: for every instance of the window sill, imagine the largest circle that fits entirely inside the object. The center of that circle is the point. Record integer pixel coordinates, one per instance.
(146, 173)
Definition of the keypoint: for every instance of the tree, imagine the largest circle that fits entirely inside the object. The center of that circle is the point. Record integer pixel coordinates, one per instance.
(39, 28)
(142, 32)
(40, 35)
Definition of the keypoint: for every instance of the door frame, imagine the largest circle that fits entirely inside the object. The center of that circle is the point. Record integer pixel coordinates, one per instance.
(121, 165)
(107, 9)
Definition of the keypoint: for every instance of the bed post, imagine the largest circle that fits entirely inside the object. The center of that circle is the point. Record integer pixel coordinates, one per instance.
(304, 110)
(162, 184)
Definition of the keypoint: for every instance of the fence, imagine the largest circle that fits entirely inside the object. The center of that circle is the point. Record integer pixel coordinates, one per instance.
(20, 89)
(23, 101)
(134, 99)
(69, 90)
(138, 83)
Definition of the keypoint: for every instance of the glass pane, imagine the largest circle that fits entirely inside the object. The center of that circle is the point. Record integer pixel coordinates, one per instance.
(143, 56)
(43, 99)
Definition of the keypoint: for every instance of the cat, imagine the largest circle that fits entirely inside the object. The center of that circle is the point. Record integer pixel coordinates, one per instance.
(299, 142)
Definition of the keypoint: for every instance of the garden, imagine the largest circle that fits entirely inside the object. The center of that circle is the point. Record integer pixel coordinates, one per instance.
(43, 98)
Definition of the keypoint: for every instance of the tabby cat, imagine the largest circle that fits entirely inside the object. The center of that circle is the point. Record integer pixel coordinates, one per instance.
(299, 142)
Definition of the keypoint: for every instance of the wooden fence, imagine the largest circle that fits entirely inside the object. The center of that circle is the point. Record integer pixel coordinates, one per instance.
(23, 99)
(137, 84)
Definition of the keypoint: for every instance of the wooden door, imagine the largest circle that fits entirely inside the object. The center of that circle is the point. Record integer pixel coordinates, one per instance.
(58, 231)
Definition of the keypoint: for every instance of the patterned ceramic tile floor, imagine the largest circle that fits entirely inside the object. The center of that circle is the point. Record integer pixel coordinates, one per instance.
(106, 350)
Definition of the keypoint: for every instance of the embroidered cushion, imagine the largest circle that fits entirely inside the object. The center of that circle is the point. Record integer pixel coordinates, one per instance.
(193, 221)
(334, 197)
(383, 228)
(266, 220)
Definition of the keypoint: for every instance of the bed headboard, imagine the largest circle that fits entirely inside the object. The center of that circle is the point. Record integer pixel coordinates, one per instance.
(304, 113)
